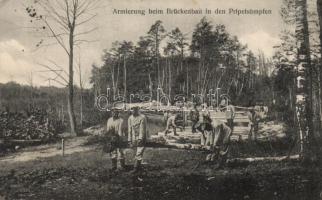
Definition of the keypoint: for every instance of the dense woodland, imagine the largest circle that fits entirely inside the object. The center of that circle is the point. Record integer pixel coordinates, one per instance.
(167, 60)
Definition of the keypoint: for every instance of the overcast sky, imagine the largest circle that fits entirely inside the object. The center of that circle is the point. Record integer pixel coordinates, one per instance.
(19, 55)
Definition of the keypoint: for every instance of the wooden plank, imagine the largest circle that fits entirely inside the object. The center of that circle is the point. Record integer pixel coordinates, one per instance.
(22, 141)
(259, 159)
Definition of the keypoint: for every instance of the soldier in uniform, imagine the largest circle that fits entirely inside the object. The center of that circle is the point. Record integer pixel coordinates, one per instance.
(204, 123)
(194, 115)
(230, 114)
(137, 135)
(114, 125)
(254, 118)
(218, 142)
(171, 123)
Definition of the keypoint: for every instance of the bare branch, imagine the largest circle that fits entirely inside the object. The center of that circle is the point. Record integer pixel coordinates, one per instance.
(67, 12)
(86, 7)
(51, 79)
(58, 35)
(53, 13)
(86, 41)
(49, 71)
(61, 68)
(86, 20)
(59, 82)
(86, 32)
(58, 38)
(52, 70)
(43, 46)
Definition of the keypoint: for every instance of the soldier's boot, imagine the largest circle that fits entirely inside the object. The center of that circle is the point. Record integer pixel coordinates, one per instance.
(114, 164)
(137, 166)
(122, 164)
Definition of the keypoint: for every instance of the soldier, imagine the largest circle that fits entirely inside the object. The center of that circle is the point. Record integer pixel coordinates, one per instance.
(204, 123)
(194, 115)
(114, 125)
(230, 114)
(218, 142)
(137, 136)
(254, 118)
(171, 123)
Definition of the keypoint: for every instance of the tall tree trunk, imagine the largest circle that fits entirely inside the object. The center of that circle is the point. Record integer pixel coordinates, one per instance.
(187, 80)
(170, 76)
(117, 77)
(81, 108)
(182, 72)
(304, 81)
(319, 11)
(150, 86)
(125, 79)
(163, 77)
(157, 57)
(71, 112)
(81, 95)
(113, 81)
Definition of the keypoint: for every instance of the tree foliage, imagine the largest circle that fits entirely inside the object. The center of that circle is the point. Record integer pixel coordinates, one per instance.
(212, 59)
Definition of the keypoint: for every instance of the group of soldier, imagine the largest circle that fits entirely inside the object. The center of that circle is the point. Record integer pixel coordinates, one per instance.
(136, 137)
(215, 134)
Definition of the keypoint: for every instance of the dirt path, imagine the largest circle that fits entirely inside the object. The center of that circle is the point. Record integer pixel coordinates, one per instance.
(73, 145)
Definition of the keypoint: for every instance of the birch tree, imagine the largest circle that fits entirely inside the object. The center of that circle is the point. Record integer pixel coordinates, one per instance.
(304, 80)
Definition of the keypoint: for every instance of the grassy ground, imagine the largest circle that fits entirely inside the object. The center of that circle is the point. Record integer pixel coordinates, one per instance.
(167, 174)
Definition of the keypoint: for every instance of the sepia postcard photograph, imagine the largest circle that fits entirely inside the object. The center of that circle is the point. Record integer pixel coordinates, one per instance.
(161, 99)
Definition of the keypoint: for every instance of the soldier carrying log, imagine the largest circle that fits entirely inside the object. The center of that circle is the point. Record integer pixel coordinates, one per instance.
(114, 128)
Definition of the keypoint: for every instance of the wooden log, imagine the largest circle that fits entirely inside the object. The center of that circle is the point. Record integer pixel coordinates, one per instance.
(261, 159)
(172, 145)
(231, 161)
(21, 141)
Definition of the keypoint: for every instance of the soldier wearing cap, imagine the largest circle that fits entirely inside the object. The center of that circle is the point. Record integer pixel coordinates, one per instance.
(114, 124)
(137, 135)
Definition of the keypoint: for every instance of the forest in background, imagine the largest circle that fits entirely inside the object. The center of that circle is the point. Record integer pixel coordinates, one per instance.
(164, 60)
